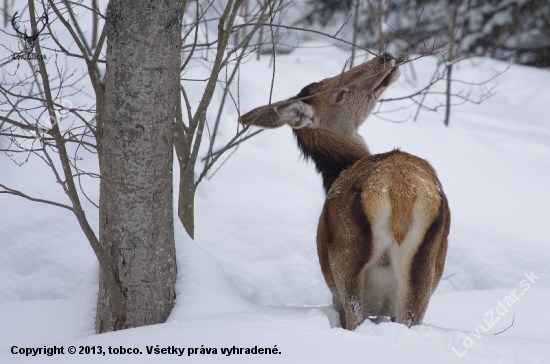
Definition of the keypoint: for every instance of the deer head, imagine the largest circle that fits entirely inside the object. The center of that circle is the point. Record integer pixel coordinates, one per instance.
(339, 104)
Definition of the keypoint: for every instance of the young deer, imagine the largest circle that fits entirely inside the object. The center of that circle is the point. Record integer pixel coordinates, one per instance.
(382, 234)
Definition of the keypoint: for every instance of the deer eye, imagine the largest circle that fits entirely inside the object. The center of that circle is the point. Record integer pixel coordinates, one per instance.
(340, 95)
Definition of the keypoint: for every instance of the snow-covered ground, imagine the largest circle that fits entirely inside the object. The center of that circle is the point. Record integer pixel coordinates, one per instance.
(252, 278)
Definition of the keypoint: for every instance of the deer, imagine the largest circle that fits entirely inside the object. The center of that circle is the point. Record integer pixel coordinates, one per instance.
(383, 231)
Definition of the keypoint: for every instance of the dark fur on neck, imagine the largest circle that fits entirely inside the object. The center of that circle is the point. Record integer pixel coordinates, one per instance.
(331, 153)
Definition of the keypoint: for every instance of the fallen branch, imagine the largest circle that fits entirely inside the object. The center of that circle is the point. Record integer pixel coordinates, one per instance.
(512, 324)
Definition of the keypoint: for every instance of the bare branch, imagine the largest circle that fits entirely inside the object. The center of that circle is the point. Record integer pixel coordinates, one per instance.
(77, 27)
(220, 152)
(512, 324)
(11, 191)
(232, 145)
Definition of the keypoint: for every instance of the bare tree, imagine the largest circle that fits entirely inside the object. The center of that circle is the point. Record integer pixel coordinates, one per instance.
(129, 126)
(123, 117)
(35, 99)
(455, 28)
(227, 60)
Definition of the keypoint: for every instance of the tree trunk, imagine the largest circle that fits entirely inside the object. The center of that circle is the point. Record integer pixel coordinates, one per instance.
(136, 202)
(448, 95)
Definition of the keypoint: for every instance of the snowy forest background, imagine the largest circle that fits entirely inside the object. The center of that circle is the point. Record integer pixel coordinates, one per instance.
(251, 276)
(502, 29)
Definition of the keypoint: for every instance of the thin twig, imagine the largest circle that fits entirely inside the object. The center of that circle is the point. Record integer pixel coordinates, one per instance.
(234, 144)
(512, 324)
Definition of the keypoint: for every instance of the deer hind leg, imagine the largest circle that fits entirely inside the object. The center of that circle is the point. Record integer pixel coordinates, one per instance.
(324, 241)
(442, 243)
(347, 297)
(416, 261)
(346, 267)
(349, 251)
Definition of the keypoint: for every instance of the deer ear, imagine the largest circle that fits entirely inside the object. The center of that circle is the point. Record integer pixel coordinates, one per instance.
(297, 114)
(263, 116)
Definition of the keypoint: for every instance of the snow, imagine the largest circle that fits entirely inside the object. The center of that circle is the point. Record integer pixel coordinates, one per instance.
(252, 278)
(208, 313)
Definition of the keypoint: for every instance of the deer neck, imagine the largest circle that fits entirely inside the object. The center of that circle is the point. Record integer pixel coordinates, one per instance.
(330, 152)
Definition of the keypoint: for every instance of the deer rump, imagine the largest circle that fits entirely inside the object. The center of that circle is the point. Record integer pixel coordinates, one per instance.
(382, 238)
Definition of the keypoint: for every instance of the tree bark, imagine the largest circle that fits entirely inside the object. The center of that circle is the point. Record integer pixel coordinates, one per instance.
(136, 201)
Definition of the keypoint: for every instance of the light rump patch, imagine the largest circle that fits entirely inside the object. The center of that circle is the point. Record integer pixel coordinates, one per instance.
(404, 181)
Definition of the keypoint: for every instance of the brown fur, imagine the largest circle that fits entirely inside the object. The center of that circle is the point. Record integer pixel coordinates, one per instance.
(345, 238)
(403, 177)
(382, 234)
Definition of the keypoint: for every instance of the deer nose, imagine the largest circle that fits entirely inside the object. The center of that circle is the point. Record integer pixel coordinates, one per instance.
(386, 56)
